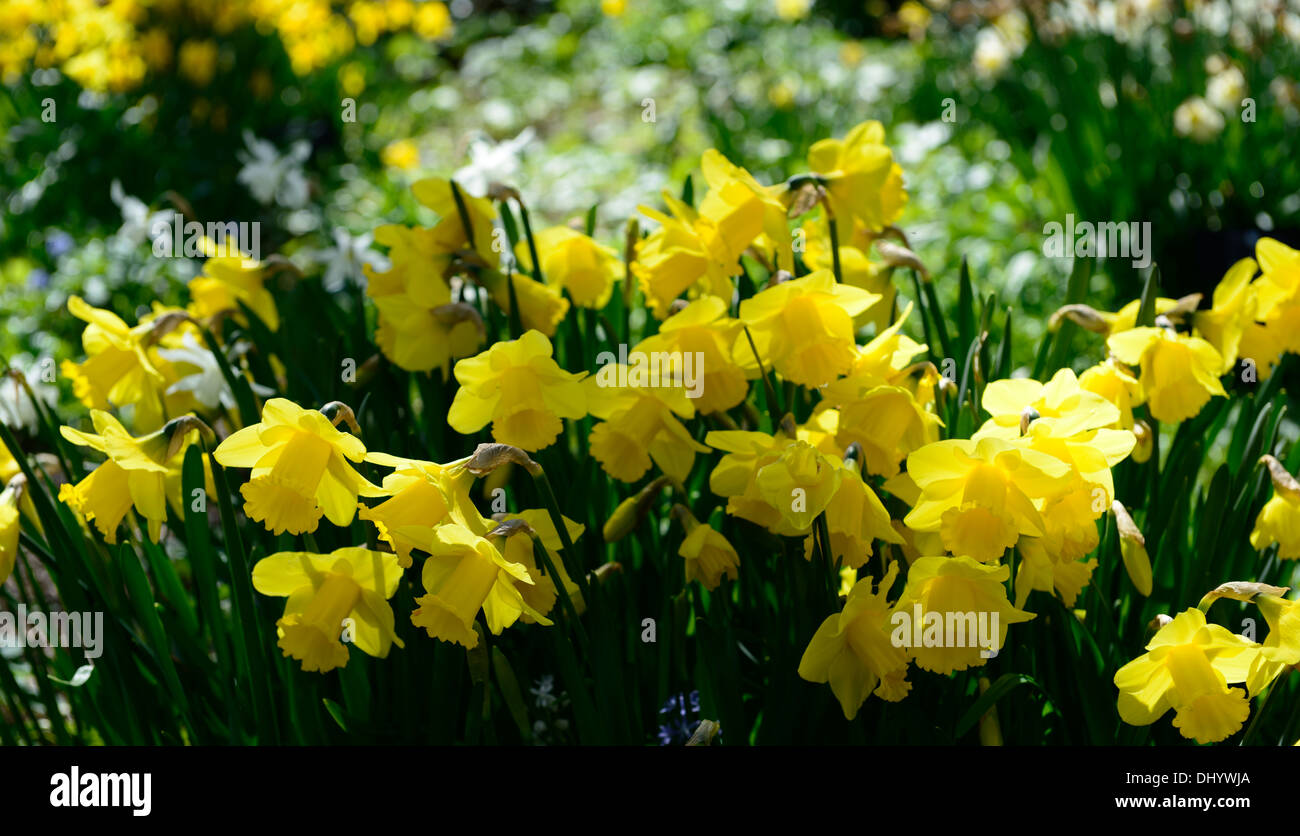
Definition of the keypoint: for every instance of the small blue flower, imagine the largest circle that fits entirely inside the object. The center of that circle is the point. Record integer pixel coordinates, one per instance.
(57, 242)
(681, 715)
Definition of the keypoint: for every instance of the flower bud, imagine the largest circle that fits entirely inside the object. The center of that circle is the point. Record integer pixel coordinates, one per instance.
(1133, 548)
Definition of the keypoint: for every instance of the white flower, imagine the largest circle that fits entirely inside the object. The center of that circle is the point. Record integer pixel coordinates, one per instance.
(1196, 119)
(270, 177)
(492, 162)
(344, 260)
(16, 406)
(991, 54)
(137, 221)
(207, 384)
(1226, 89)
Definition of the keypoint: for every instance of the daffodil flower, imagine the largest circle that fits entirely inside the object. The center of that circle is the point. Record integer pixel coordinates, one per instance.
(343, 594)
(1060, 405)
(518, 388)
(863, 183)
(227, 281)
(466, 573)
(702, 329)
(574, 262)
(420, 494)
(781, 482)
(1281, 647)
(853, 651)
(1179, 373)
(300, 469)
(708, 554)
(804, 327)
(980, 495)
(118, 370)
(1279, 520)
(137, 473)
(540, 596)
(1117, 385)
(954, 588)
(639, 426)
(1187, 667)
(675, 259)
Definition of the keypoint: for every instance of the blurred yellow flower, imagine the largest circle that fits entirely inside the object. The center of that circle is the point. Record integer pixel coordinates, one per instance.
(197, 61)
(573, 262)
(401, 153)
(863, 183)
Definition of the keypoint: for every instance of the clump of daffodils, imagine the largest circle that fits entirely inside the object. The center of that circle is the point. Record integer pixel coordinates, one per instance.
(810, 439)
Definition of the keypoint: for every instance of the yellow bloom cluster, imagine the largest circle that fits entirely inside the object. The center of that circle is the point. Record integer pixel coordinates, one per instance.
(113, 46)
(867, 469)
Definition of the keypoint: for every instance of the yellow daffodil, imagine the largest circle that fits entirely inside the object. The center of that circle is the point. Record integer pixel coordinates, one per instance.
(574, 262)
(136, 473)
(724, 362)
(863, 182)
(519, 389)
(1114, 383)
(420, 494)
(675, 259)
(804, 327)
(437, 194)
(1278, 291)
(855, 519)
(956, 591)
(1281, 647)
(9, 527)
(332, 598)
(118, 370)
(1044, 566)
(853, 650)
(1232, 312)
(466, 573)
(856, 269)
(1187, 667)
(419, 327)
(1060, 406)
(979, 495)
(639, 425)
(779, 482)
(1279, 520)
(737, 212)
(300, 469)
(542, 594)
(1179, 373)
(541, 307)
(707, 553)
(227, 281)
